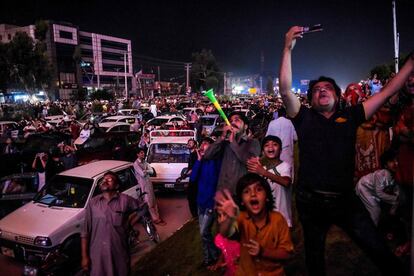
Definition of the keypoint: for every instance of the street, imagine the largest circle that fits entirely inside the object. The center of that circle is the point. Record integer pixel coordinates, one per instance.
(173, 209)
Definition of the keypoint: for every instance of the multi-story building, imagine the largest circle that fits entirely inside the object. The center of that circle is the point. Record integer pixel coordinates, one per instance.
(82, 59)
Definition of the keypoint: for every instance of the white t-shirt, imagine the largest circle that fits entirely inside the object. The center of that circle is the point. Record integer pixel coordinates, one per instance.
(281, 194)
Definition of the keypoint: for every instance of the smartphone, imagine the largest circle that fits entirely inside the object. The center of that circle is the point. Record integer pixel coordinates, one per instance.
(312, 29)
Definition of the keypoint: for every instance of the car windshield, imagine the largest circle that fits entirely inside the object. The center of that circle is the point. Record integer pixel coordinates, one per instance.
(65, 191)
(207, 121)
(106, 120)
(168, 153)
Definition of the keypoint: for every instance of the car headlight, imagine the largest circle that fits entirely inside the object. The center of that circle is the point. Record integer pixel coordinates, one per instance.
(42, 241)
(1, 233)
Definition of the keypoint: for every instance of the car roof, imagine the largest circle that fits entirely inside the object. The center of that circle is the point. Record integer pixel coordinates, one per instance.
(112, 124)
(94, 169)
(7, 122)
(210, 116)
(117, 117)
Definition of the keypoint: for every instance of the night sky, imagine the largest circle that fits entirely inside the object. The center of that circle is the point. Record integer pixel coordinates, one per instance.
(357, 34)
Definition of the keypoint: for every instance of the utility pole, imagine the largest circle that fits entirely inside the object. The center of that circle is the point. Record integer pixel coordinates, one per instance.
(396, 37)
(159, 73)
(187, 83)
(125, 73)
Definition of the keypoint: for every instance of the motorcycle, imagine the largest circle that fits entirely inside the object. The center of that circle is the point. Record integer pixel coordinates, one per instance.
(144, 217)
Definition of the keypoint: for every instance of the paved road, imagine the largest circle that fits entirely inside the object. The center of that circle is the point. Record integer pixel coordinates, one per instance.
(173, 209)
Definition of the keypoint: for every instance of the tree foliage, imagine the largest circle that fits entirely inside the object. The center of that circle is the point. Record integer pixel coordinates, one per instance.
(102, 94)
(205, 72)
(24, 63)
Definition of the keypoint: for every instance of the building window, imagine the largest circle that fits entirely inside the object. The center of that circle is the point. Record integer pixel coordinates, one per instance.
(9, 36)
(85, 40)
(114, 45)
(64, 34)
(1, 37)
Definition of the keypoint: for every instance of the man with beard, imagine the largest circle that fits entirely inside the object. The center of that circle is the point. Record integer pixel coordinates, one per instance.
(234, 147)
(325, 190)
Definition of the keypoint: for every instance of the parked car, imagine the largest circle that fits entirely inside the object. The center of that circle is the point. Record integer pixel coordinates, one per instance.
(92, 117)
(46, 231)
(35, 143)
(160, 120)
(119, 119)
(108, 145)
(112, 127)
(17, 190)
(128, 112)
(168, 155)
(210, 122)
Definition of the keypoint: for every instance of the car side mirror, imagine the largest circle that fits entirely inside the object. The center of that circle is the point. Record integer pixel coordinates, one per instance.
(152, 172)
(184, 173)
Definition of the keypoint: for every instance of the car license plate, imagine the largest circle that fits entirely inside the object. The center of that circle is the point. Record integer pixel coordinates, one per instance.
(169, 185)
(7, 252)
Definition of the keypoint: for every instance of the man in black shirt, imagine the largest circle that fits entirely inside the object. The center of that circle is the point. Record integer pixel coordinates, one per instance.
(325, 190)
(192, 186)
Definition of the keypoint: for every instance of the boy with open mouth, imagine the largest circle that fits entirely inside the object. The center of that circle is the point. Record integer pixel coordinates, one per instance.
(263, 233)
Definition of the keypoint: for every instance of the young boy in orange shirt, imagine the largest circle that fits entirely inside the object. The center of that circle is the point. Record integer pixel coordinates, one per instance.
(264, 234)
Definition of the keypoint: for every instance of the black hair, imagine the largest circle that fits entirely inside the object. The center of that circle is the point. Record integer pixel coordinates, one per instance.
(312, 83)
(281, 112)
(241, 115)
(139, 150)
(208, 140)
(249, 179)
(194, 140)
(387, 156)
(272, 138)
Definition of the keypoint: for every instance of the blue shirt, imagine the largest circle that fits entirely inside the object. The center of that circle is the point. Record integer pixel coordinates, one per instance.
(206, 174)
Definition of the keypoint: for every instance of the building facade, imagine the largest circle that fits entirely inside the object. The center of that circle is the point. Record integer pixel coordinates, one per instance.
(82, 59)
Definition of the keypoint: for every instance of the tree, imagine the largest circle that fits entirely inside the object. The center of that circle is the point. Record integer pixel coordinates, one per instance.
(269, 86)
(205, 73)
(4, 68)
(27, 63)
(102, 94)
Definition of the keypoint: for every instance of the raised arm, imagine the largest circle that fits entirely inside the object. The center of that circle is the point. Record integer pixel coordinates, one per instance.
(291, 102)
(375, 102)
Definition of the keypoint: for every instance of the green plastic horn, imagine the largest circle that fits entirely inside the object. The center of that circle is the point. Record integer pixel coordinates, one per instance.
(210, 95)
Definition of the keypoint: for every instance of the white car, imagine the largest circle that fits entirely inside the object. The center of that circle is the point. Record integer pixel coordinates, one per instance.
(210, 122)
(157, 122)
(168, 155)
(50, 224)
(120, 119)
(128, 112)
(112, 127)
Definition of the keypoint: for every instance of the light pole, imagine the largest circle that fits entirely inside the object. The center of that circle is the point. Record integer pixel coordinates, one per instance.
(396, 37)
(125, 73)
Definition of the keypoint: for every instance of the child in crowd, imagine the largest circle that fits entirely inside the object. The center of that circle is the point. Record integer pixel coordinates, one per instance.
(263, 233)
(277, 173)
(380, 186)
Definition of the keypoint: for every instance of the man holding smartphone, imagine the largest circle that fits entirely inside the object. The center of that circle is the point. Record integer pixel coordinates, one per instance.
(325, 191)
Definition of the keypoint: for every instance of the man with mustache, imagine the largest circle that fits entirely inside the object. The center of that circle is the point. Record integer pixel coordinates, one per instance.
(325, 191)
(234, 147)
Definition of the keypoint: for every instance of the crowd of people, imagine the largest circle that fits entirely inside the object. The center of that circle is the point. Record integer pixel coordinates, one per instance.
(355, 170)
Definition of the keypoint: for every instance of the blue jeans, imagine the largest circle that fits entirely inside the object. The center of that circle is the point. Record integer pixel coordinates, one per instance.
(206, 220)
(318, 213)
